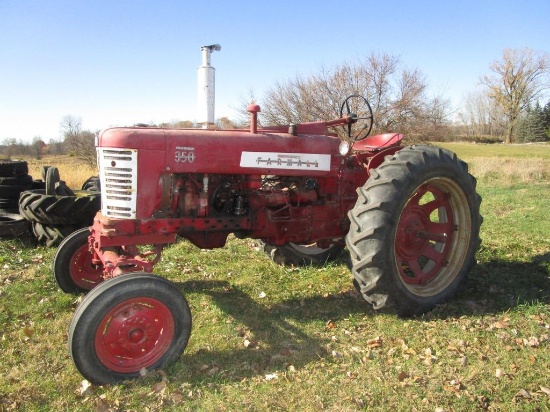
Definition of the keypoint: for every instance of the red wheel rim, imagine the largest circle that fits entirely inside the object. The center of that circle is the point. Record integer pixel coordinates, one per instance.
(82, 270)
(424, 236)
(134, 334)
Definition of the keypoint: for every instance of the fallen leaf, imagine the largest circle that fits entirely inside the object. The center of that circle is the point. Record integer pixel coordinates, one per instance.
(85, 388)
(271, 376)
(523, 394)
(159, 387)
(330, 325)
(177, 397)
(545, 390)
(533, 342)
(402, 376)
(500, 325)
(250, 344)
(374, 343)
(213, 371)
(101, 406)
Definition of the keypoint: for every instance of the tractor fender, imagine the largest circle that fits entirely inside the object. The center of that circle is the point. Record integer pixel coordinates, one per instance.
(378, 158)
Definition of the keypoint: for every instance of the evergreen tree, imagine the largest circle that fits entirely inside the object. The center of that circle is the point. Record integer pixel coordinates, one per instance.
(531, 127)
(546, 119)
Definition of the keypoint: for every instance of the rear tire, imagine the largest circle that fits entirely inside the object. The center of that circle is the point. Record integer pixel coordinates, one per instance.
(128, 323)
(300, 255)
(414, 230)
(80, 209)
(52, 235)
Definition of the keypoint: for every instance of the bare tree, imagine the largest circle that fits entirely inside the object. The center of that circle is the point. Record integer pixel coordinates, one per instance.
(80, 143)
(38, 147)
(481, 115)
(518, 80)
(398, 97)
(71, 125)
(225, 123)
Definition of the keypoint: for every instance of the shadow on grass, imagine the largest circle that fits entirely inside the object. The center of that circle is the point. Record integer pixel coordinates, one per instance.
(497, 286)
(277, 339)
(493, 287)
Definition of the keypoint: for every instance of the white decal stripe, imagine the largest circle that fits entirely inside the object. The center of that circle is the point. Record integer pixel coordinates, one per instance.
(292, 161)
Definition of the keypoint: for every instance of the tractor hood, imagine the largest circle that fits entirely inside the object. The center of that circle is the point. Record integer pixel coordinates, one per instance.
(229, 151)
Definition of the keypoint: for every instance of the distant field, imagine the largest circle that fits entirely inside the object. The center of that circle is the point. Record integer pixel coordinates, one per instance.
(73, 171)
(470, 150)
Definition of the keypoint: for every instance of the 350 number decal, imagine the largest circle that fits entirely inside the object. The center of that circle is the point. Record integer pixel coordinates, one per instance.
(185, 155)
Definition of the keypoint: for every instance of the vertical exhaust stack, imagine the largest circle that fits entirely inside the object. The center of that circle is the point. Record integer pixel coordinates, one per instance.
(207, 86)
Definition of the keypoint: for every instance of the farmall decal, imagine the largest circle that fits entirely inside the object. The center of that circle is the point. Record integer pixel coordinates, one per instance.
(294, 161)
(184, 154)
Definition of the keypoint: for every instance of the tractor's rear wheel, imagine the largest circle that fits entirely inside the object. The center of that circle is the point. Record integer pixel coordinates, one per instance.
(126, 324)
(414, 230)
(72, 266)
(302, 254)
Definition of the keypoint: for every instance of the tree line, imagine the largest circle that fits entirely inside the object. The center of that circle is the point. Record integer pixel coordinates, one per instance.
(507, 106)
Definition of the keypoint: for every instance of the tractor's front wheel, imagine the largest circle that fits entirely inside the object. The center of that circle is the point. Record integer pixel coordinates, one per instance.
(414, 230)
(73, 268)
(129, 324)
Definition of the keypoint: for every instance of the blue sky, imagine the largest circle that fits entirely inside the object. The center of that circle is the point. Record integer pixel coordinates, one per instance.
(121, 62)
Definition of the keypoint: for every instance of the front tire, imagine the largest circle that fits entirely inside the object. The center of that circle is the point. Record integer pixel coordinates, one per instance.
(128, 323)
(72, 265)
(414, 230)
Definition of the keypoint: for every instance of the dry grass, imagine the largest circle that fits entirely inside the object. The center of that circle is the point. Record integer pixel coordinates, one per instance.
(73, 171)
(510, 170)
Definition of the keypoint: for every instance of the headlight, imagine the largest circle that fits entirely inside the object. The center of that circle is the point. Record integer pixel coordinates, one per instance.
(344, 148)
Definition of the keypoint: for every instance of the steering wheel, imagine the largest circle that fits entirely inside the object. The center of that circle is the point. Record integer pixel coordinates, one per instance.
(358, 108)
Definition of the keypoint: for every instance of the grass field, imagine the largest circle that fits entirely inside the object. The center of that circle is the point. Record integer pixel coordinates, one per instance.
(315, 344)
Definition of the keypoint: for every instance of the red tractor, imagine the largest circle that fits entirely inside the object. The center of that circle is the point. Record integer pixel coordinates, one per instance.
(409, 217)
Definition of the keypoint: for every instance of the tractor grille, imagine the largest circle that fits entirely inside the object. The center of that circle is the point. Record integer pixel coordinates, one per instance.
(118, 172)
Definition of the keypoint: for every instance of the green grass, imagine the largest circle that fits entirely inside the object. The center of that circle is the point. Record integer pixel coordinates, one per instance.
(468, 150)
(318, 346)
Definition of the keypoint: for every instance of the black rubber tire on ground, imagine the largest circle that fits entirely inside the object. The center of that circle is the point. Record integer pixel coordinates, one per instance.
(300, 255)
(13, 168)
(52, 177)
(10, 189)
(414, 230)
(43, 172)
(92, 183)
(80, 209)
(38, 185)
(52, 235)
(72, 264)
(13, 225)
(13, 192)
(23, 180)
(127, 323)
(9, 206)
